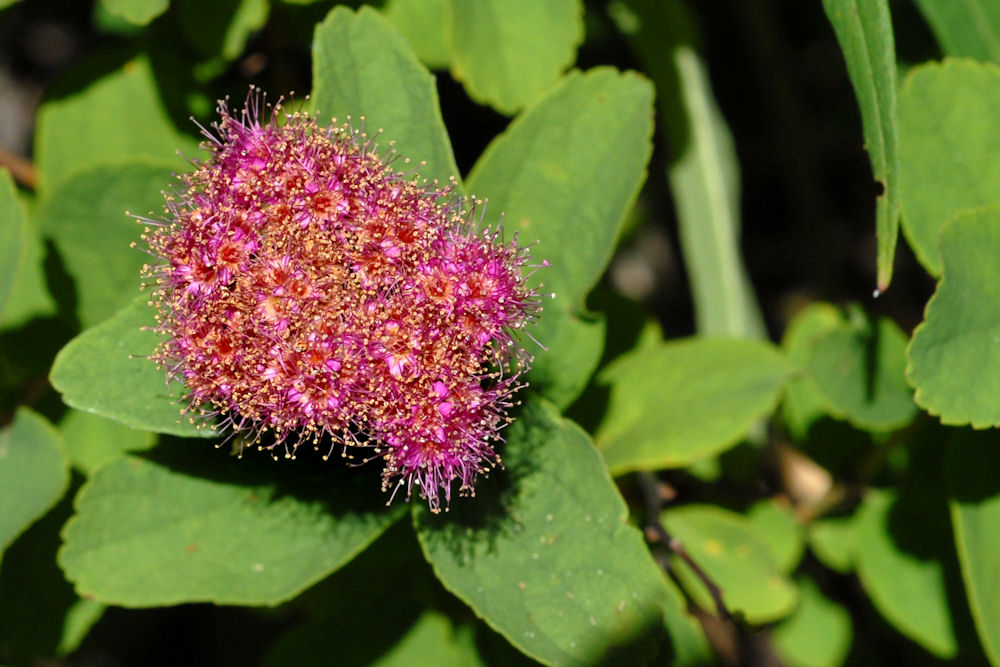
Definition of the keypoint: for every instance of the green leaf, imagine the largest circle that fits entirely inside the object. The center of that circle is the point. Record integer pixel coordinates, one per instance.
(859, 368)
(86, 218)
(969, 28)
(93, 441)
(33, 473)
(119, 116)
(954, 363)
(544, 553)
(780, 530)
(703, 172)
(904, 583)
(974, 498)
(949, 137)
(14, 238)
(818, 634)
(250, 532)
(27, 296)
(803, 404)
(363, 68)
(139, 12)
(864, 30)
(832, 540)
(686, 400)
(565, 173)
(732, 553)
(508, 52)
(104, 370)
(423, 23)
(221, 27)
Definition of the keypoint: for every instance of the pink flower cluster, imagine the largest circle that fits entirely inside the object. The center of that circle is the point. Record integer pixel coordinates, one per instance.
(308, 292)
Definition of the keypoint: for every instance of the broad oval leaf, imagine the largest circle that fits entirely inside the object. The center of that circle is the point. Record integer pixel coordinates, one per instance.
(737, 559)
(550, 561)
(33, 473)
(117, 117)
(14, 238)
(970, 28)
(974, 497)
(780, 530)
(86, 218)
(139, 12)
(803, 405)
(864, 30)
(858, 369)
(423, 24)
(832, 541)
(686, 400)
(363, 68)
(565, 173)
(954, 360)
(817, 634)
(93, 441)
(906, 587)
(507, 52)
(949, 137)
(145, 534)
(104, 370)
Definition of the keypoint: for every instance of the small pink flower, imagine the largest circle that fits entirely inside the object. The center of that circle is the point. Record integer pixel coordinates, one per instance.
(308, 291)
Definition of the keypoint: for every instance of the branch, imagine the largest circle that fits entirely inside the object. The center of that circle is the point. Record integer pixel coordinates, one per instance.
(22, 170)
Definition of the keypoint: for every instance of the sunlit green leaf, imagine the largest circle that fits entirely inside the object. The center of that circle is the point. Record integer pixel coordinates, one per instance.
(954, 360)
(363, 68)
(92, 441)
(14, 237)
(33, 473)
(139, 12)
(864, 30)
(803, 404)
(686, 400)
(969, 28)
(780, 530)
(544, 553)
(974, 497)
(732, 553)
(832, 541)
(423, 23)
(145, 534)
(507, 52)
(565, 173)
(104, 370)
(817, 634)
(949, 137)
(86, 219)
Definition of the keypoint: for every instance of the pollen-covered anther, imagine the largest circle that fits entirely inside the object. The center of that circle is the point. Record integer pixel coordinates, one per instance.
(307, 291)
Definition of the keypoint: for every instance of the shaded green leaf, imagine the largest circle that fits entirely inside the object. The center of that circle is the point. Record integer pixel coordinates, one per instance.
(13, 239)
(949, 137)
(221, 27)
(974, 498)
(686, 400)
(145, 534)
(27, 296)
(119, 116)
(33, 473)
(969, 28)
(363, 68)
(954, 361)
(86, 219)
(859, 368)
(780, 530)
(139, 12)
(864, 31)
(803, 404)
(544, 554)
(508, 52)
(104, 370)
(818, 634)
(92, 441)
(732, 553)
(904, 583)
(565, 173)
(704, 170)
(832, 541)
(423, 23)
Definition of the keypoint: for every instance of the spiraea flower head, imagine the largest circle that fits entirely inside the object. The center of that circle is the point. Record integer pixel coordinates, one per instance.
(308, 292)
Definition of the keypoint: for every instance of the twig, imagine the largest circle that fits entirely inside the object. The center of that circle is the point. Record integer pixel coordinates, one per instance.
(655, 495)
(22, 170)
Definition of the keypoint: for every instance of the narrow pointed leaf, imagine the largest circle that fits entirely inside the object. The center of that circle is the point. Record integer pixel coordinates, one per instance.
(363, 68)
(565, 173)
(507, 52)
(970, 28)
(104, 370)
(544, 553)
(864, 30)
